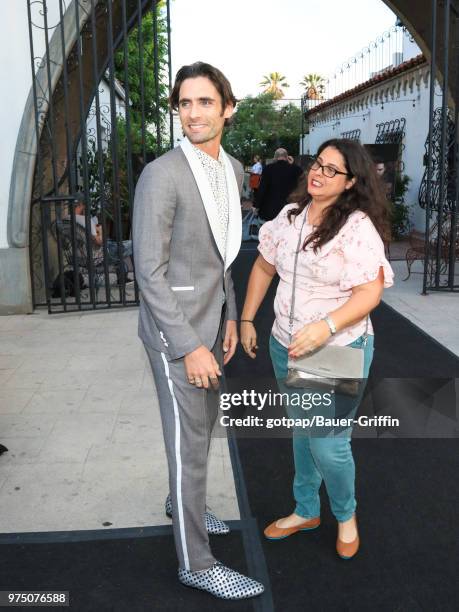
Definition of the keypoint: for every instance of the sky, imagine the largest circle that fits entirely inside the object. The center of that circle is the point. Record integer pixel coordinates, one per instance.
(247, 39)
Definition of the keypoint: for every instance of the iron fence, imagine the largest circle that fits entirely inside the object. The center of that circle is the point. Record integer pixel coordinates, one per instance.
(101, 76)
(440, 187)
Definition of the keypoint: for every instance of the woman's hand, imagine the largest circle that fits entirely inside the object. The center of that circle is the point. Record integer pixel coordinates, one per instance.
(249, 338)
(309, 338)
(230, 341)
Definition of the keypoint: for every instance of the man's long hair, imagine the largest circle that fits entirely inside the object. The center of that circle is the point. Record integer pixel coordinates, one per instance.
(366, 194)
(214, 75)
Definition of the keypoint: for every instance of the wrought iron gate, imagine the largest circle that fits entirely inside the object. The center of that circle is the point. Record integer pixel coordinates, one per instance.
(100, 92)
(440, 186)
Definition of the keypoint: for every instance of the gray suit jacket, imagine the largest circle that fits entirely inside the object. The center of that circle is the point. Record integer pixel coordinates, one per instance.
(179, 268)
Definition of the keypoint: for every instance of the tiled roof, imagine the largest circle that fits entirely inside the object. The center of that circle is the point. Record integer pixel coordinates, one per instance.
(379, 78)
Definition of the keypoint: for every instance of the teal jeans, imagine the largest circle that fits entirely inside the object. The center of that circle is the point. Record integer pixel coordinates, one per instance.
(322, 454)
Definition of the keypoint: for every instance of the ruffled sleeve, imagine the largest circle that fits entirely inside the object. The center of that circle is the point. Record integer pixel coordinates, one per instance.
(270, 233)
(268, 241)
(364, 255)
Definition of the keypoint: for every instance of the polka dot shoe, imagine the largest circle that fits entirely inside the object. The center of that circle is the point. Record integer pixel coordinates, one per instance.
(214, 525)
(222, 582)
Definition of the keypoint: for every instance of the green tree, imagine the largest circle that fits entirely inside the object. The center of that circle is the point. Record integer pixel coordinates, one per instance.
(400, 211)
(289, 128)
(314, 85)
(259, 127)
(274, 82)
(134, 73)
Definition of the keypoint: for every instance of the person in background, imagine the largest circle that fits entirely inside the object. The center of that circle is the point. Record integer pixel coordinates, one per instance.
(380, 168)
(98, 240)
(381, 171)
(341, 221)
(255, 176)
(278, 180)
(80, 218)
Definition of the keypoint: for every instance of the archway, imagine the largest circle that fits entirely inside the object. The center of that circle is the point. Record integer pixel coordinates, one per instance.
(64, 123)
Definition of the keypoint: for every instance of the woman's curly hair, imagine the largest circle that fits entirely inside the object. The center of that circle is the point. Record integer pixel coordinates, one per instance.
(367, 194)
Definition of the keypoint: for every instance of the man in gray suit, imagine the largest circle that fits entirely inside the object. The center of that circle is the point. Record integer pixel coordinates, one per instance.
(187, 232)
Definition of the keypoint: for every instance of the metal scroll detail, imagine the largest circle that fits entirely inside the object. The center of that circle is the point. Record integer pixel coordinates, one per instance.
(352, 134)
(391, 132)
(448, 168)
(439, 199)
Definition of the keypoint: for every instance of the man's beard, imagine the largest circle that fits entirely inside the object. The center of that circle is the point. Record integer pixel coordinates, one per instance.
(199, 138)
(202, 138)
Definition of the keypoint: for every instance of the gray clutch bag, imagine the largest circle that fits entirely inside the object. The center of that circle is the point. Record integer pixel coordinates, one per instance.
(329, 368)
(338, 368)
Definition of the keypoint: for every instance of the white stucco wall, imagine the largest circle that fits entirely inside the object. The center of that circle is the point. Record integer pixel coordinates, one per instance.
(414, 106)
(15, 76)
(16, 79)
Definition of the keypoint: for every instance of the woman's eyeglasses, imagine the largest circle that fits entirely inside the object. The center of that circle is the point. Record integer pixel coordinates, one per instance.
(328, 171)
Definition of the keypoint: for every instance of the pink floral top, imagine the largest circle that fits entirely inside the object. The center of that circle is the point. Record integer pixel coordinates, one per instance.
(324, 280)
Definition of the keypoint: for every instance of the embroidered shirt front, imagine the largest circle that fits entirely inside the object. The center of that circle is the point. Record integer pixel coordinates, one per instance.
(215, 172)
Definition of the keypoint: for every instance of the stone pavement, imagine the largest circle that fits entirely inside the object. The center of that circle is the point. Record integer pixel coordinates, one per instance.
(79, 415)
(436, 313)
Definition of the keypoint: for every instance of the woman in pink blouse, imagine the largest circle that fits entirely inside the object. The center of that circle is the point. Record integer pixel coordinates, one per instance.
(341, 273)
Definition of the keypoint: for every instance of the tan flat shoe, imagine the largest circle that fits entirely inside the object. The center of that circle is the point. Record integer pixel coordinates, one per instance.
(272, 532)
(347, 550)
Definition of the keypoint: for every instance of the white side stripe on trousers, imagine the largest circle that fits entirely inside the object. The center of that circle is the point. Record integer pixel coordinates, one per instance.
(178, 461)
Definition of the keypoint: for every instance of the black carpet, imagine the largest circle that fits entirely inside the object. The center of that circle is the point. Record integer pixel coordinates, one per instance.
(407, 488)
(122, 569)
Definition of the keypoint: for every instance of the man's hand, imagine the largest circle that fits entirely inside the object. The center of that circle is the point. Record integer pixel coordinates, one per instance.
(202, 367)
(230, 341)
(308, 338)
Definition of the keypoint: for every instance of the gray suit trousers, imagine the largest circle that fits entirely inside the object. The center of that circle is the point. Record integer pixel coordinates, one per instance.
(188, 415)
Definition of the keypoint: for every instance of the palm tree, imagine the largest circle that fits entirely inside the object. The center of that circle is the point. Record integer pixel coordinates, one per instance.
(273, 83)
(314, 85)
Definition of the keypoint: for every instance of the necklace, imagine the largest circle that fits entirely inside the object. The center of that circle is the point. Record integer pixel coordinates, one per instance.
(307, 216)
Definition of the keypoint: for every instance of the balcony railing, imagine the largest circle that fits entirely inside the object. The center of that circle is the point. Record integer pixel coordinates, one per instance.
(385, 52)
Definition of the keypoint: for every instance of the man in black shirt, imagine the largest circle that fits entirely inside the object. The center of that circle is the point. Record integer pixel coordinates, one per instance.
(278, 181)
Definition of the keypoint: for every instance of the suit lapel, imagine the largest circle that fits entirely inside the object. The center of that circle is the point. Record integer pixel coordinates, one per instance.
(205, 190)
(233, 242)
